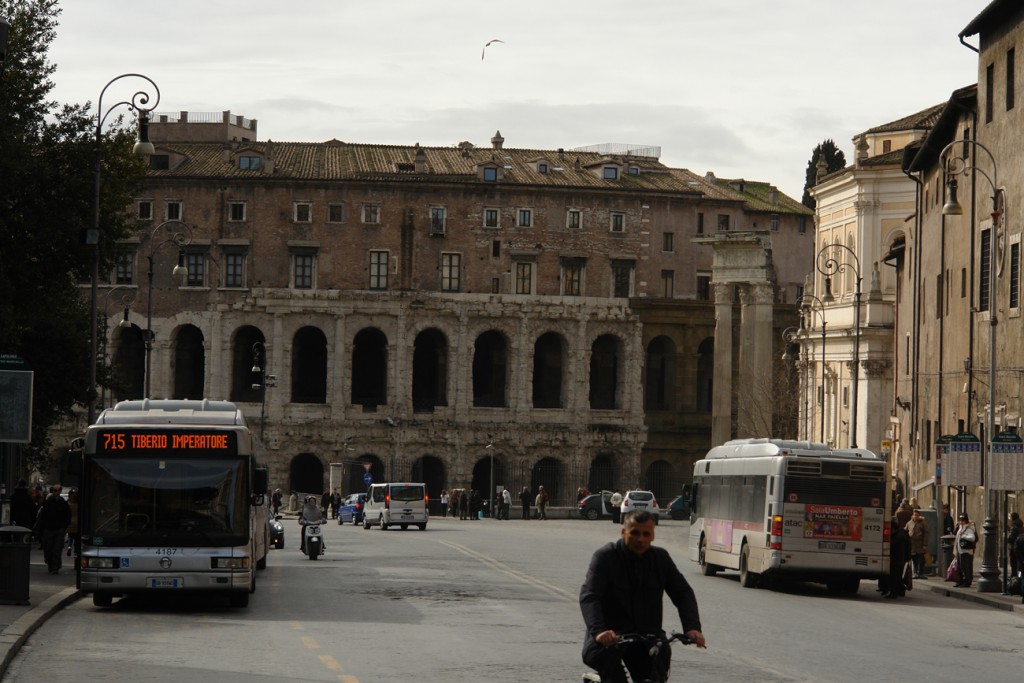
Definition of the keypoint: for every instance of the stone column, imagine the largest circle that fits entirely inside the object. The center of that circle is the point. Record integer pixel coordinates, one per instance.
(721, 399)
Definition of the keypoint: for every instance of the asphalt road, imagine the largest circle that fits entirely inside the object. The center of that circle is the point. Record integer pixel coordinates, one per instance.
(497, 601)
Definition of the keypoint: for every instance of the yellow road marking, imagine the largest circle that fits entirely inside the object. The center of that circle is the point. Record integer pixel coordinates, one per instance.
(345, 678)
(296, 625)
(310, 643)
(330, 662)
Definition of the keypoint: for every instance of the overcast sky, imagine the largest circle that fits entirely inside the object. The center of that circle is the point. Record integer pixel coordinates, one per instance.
(743, 88)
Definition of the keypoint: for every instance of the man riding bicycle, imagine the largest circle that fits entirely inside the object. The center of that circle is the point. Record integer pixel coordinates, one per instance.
(623, 593)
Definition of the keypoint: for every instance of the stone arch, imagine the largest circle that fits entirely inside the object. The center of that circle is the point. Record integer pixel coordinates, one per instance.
(549, 473)
(490, 370)
(430, 470)
(661, 480)
(309, 365)
(549, 360)
(189, 363)
(242, 361)
(481, 480)
(659, 390)
(306, 475)
(606, 368)
(129, 364)
(705, 374)
(603, 473)
(356, 471)
(429, 370)
(370, 368)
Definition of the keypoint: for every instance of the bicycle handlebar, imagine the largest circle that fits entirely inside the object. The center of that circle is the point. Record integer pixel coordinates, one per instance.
(653, 638)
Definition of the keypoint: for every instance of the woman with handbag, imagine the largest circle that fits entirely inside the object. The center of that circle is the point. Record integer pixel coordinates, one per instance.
(964, 545)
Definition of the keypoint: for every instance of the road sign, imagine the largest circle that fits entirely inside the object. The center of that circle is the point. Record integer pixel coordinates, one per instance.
(16, 379)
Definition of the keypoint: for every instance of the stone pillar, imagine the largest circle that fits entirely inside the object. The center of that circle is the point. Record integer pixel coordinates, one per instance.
(721, 399)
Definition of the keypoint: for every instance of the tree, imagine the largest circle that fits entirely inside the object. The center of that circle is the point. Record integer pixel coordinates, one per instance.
(834, 161)
(47, 155)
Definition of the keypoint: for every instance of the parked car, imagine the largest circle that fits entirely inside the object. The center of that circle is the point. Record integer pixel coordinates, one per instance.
(276, 531)
(679, 508)
(597, 506)
(351, 509)
(640, 500)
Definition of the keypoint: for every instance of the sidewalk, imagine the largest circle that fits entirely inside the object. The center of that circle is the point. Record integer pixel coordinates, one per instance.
(47, 593)
(1010, 603)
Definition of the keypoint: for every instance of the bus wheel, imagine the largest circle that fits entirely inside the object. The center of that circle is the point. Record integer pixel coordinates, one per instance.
(748, 579)
(102, 599)
(705, 568)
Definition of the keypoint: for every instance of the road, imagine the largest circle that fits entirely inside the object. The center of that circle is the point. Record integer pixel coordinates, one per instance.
(497, 601)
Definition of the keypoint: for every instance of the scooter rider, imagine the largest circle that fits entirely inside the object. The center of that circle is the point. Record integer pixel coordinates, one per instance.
(310, 514)
(623, 593)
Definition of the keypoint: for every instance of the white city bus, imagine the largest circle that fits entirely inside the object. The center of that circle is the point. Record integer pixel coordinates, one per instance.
(791, 510)
(172, 499)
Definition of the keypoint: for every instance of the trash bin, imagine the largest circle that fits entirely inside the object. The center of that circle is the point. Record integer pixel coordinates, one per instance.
(947, 553)
(15, 560)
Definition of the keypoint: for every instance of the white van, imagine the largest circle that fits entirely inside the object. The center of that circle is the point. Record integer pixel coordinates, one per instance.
(401, 504)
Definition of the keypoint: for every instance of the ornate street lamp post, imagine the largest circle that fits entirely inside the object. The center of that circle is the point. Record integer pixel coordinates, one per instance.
(828, 266)
(810, 304)
(963, 165)
(138, 104)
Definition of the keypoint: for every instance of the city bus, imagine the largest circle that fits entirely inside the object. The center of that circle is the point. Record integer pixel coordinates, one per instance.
(172, 499)
(774, 509)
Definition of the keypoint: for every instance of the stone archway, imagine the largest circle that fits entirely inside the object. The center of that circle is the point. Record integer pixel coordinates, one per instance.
(306, 474)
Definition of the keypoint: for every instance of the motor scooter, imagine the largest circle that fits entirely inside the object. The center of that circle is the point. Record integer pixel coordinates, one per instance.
(313, 543)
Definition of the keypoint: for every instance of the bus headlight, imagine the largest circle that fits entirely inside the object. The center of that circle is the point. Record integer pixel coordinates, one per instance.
(230, 562)
(101, 562)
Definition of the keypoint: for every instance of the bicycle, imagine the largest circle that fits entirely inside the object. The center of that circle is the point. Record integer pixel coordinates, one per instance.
(654, 642)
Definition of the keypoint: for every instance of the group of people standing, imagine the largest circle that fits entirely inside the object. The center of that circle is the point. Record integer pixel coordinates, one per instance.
(52, 519)
(469, 504)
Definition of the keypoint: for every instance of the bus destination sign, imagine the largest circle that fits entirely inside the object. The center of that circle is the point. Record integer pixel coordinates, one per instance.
(164, 441)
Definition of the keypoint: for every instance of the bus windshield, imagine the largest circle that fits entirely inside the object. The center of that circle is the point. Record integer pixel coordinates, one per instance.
(161, 501)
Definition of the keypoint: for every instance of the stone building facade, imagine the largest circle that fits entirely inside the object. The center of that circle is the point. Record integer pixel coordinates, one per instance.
(453, 315)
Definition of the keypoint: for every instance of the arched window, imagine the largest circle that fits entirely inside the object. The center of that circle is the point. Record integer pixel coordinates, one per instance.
(189, 363)
(242, 361)
(660, 374)
(490, 370)
(548, 361)
(309, 366)
(370, 369)
(605, 369)
(429, 371)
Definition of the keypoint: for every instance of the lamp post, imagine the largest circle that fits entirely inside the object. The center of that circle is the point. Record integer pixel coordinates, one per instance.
(963, 165)
(490, 496)
(790, 336)
(259, 367)
(182, 237)
(828, 266)
(807, 304)
(143, 147)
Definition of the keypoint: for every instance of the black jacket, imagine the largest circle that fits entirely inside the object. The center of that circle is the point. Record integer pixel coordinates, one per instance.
(55, 514)
(624, 591)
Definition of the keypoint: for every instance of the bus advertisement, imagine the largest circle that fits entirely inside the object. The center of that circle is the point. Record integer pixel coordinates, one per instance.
(775, 509)
(172, 498)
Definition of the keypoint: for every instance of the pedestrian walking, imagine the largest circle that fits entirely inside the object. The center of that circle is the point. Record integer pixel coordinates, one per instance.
(463, 504)
(506, 503)
(542, 503)
(52, 525)
(275, 501)
(444, 502)
(1013, 529)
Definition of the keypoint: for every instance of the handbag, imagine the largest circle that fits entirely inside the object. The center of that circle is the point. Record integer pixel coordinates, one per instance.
(953, 571)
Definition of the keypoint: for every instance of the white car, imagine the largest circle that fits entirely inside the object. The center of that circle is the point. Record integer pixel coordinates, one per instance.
(640, 500)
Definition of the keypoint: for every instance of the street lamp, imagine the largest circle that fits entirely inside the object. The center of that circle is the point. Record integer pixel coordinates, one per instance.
(829, 266)
(962, 165)
(259, 367)
(143, 147)
(181, 237)
(491, 496)
(809, 304)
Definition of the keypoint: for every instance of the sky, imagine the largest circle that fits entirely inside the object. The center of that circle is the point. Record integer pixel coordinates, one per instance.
(741, 88)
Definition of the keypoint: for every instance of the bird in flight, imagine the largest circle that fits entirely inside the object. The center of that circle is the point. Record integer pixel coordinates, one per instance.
(484, 51)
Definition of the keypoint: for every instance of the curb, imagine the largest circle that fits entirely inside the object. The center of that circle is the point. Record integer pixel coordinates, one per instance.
(14, 636)
(999, 602)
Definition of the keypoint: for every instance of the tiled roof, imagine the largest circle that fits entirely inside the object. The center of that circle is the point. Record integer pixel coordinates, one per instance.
(336, 160)
(757, 196)
(922, 120)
